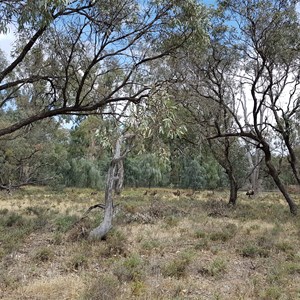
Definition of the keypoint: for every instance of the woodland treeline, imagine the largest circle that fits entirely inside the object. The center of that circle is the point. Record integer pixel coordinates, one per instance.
(208, 94)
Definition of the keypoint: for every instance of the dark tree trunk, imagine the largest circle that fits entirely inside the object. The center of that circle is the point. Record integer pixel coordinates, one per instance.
(149, 183)
(293, 162)
(286, 135)
(233, 195)
(274, 174)
(233, 190)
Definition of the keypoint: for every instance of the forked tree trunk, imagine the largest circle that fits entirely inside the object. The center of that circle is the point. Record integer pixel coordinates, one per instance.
(114, 181)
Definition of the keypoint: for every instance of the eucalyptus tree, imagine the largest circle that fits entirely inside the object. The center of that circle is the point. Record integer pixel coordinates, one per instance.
(80, 56)
(114, 182)
(253, 55)
(209, 118)
(88, 154)
(231, 155)
(273, 65)
(143, 127)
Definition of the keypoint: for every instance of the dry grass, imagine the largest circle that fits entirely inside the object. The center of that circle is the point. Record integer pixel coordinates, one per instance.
(60, 287)
(163, 246)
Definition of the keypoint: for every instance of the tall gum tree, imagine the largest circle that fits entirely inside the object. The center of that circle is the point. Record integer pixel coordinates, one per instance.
(209, 119)
(84, 55)
(127, 133)
(267, 40)
(253, 52)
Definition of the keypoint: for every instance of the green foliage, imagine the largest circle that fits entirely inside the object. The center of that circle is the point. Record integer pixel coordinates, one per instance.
(191, 16)
(146, 169)
(85, 173)
(88, 157)
(69, 76)
(90, 136)
(37, 156)
(193, 175)
(201, 173)
(28, 14)
(214, 173)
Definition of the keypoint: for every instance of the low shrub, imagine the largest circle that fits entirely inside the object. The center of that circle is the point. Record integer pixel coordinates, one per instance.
(130, 269)
(44, 254)
(78, 261)
(177, 267)
(253, 251)
(218, 267)
(64, 223)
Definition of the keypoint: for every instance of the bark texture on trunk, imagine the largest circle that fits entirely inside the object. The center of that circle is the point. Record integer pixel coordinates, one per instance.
(274, 174)
(113, 184)
(233, 190)
(292, 159)
(120, 177)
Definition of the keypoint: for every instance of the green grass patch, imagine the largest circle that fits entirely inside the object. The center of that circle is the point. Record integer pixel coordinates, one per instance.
(218, 267)
(65, 222)
(44, 254)
(177, 267)
(130, 269)
(252, 251)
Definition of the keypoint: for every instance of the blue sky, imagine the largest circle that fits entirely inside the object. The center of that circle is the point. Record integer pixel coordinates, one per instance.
(6, 40)
(210, 2)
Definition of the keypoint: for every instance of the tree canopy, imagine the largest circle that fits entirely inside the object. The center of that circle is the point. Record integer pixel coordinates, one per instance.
(79, 57)
(211, 94)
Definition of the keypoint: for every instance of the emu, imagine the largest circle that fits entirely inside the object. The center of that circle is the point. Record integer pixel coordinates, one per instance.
(190, 194)
(250, 193)
(153, 193)
(177, 193)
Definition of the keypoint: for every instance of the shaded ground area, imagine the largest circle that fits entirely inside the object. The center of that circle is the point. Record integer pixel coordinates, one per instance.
(165, 245)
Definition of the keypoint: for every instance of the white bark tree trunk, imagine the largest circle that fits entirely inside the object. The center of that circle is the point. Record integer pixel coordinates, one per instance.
(114, 180)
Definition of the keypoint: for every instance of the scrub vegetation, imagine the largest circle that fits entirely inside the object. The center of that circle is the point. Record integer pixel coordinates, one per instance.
(161, 247)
